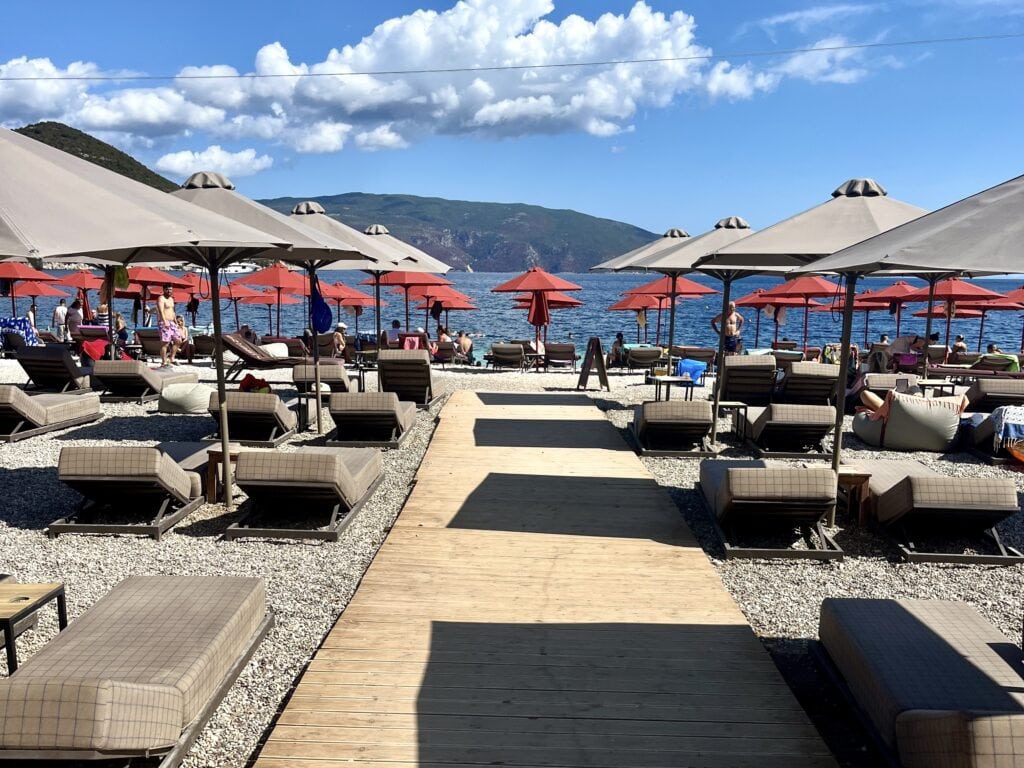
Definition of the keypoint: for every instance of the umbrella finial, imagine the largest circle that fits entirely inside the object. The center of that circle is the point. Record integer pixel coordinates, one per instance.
(376, 229)
(732, 222)
(860, 188)
(308, 207)
(676, 232)
(208, 180)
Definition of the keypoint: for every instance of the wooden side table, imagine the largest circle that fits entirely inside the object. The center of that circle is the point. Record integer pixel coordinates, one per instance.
(216, 458)
(855, 481)
(17, 601)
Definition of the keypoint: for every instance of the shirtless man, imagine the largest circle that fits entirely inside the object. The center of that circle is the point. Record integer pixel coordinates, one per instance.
(170, 334)
(731, 328)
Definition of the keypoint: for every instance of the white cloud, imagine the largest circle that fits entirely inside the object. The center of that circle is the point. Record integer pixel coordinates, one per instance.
(214, 158)
(381, 137)
(338, 102)
(806, 19)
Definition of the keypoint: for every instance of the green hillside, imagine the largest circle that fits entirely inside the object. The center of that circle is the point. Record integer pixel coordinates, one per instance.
(487, 237)
(83, 145)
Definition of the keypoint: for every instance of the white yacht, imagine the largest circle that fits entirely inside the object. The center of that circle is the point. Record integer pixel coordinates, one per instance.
(240, 268)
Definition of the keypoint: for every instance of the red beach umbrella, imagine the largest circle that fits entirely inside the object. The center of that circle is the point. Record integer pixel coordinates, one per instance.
(896, 294)
(994, 305)
(670, 287)
(537, 282)
(82, 279)
(951, 290)
(865, 302)
(639, 303)
(15, 271)
(1017, 294)
(33, 290)
(270, 299)
(150, 276)
(805, 288)
(281, 279)
(235, 292)
(757, 300)
(406, 280)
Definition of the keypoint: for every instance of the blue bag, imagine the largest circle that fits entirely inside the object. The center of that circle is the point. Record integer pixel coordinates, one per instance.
(320, 315)
(695, 368)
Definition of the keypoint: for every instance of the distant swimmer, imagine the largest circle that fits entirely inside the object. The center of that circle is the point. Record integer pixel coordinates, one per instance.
(731, 328)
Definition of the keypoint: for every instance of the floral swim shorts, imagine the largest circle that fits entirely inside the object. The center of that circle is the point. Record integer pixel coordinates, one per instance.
(169, 333)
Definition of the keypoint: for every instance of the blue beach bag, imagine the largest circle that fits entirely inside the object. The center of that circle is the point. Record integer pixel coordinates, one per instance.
(695, 369)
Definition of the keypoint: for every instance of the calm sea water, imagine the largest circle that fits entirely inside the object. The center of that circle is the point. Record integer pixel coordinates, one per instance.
(497, 320)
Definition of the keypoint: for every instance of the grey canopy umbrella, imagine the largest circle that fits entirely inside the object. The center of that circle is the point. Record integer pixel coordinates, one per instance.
(54, 205)
(311, 247)
(859, 208)
(384, 254)
(979, 235)
(628, 261)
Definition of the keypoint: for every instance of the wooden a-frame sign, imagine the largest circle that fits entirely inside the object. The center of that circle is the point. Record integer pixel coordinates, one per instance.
(593, 358)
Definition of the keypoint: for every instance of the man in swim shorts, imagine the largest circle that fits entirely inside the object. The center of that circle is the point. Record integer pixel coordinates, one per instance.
(731, 327)
(170, 334)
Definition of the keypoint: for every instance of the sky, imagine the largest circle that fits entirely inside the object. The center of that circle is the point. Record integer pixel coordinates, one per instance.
(754, 109)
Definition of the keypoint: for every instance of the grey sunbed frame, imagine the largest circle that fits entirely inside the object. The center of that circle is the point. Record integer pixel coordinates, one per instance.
(806, 515)
(901, 534)
(12, 423)
(378, 429)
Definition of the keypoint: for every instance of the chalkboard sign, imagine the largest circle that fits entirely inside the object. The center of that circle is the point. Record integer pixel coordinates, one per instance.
(593, 358)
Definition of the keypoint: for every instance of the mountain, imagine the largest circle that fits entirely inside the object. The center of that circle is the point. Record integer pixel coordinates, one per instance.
(79, 144)
(486, 237)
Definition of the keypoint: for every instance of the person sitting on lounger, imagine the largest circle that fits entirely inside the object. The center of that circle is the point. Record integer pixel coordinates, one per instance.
(617, 354)
(338, 339)
(392, 332)
(464, 345)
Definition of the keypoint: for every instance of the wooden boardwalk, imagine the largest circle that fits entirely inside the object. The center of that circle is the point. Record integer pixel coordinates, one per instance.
(540, 603)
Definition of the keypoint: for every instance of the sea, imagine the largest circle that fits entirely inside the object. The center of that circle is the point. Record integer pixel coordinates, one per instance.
(498, 320)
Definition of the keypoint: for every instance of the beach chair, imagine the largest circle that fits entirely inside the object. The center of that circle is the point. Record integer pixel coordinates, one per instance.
(935, 683)
(149, 340)
(121, 381)
(53, 368)
(936, 354)
(335, 482)
(882, 383)
(985, 395)
(260, 419)
(251, 357)
(748, 379)
(704, 355)
(808, 383)
(560, 356)
(406, 372)
(370, 419)
(786, 430)
(673, 428)
(785, 344)
(996, 363)
(24, 416)
(295, 346)
(123, 483)
(13, 343)
(445, 353)
(202, 346)
(644, 358)
(785, 358)
(335, 376)
(756, 494)
(506, 356)
(913, 503)
(137, 675)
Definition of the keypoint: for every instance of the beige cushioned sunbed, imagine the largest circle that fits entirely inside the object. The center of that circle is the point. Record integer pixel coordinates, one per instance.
(370, 417)
(135, 669)
(22, 415)
(941, 685)
(130, 379)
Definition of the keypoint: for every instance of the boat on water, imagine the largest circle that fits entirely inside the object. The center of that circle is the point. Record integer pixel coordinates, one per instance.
(240, 268)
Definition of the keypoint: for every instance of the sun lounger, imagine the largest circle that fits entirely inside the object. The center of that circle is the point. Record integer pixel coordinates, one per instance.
(881, 383)
(137, 675)
(785, 358)
(126, 482)
(24, 416)
(202, 345)
(673, 427)
(644, 358)
(748, 379)
(936, 683)
(911, 501)
(704, 355)
(126, 380)
(13, 343)
(808, 384)
(785, 430)
(758, 494)
(988, 394)
(370, 419)
(53, 368)
(257, 419)
(334, 376)
(445, 353)
(149, 340)
(335, 481)
(251, 357)
(406, 372)
(506, 356)
(784, 345)
(560, 356)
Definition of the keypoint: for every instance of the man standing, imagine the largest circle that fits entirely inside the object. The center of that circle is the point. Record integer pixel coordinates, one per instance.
(60, 316)
(731, 328)
(74, 318)
(170, 334)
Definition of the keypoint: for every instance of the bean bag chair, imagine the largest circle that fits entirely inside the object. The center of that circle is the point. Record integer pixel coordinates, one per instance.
(185, 398)
(912, 423)
(276, 349)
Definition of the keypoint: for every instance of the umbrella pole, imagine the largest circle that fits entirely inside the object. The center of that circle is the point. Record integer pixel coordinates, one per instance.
(867, 315)
(757, 328)
(807, 309)
(218, 363)
(657, 331)
(981, 331)
(109, 278)
(278, 313)
(671, 324)
(928, 321)
(238, 323)
(844, 371)
(949, 321)
(316, 351)
(726, 289)
(406, 287)
(899, 312)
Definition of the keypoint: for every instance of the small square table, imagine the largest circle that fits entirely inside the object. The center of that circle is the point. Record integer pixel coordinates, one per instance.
(854, 481)
(215, 455)
(668, 382)
(18, 601)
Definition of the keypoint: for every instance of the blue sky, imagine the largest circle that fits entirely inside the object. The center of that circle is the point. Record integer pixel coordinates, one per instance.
(663, 144)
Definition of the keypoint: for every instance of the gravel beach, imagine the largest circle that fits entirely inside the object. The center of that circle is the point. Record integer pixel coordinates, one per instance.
(309, 584)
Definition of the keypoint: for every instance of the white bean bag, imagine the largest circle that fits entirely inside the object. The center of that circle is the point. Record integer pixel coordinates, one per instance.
(185, 398)
(276, 349)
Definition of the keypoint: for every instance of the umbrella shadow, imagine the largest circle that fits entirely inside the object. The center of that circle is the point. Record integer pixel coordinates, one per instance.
(156, 427)
(34, 497)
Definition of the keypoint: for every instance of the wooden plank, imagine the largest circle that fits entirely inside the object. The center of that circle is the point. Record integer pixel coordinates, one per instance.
(540, 602)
